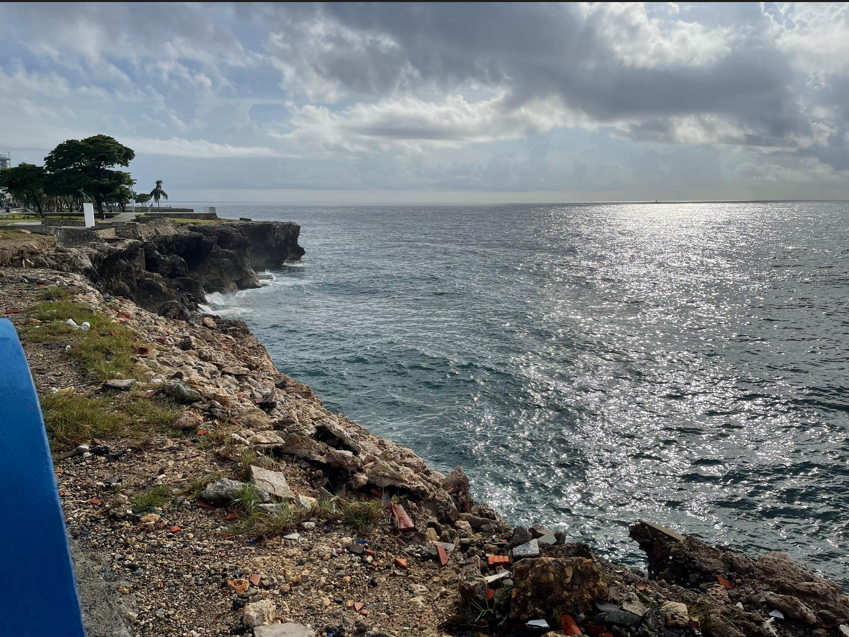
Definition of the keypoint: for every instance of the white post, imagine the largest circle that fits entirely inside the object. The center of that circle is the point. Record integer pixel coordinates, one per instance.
(88, 211)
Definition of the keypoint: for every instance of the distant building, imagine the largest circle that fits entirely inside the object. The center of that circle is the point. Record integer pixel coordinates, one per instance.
(5, 161)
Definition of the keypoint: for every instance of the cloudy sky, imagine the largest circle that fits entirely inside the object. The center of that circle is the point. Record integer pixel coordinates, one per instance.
(449, 103)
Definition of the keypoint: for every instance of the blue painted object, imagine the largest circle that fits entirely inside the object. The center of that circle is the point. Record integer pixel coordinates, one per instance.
(38, 595)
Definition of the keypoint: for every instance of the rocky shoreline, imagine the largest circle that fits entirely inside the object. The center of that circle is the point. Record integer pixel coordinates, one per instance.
(230, 501)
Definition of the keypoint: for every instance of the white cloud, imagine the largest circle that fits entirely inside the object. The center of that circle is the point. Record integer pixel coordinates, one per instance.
(197, 149)
(412, 124)
(644, 42)
(815, 34)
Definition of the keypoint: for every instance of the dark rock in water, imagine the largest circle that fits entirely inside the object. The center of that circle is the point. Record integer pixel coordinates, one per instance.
(159, 265)
(521, 535)
(174, 310)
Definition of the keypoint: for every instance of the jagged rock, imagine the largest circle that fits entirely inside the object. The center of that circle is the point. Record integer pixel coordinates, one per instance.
(222, 492)
(272, 481)
(471, 584)
(256, 419)
(259, 613)
(792, 608)
(188, 420)
(685, 560)
(456, 484)
(543, 584)
(265, 439)
(182, 393)
(521, 535)
(207, 321)
(675, 614)
(780, 574)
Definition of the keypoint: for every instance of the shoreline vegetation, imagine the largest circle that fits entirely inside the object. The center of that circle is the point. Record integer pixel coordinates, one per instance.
(207, 493)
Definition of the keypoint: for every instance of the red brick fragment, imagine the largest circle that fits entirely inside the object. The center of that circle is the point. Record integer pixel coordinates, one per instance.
(255, 579)
(358, 606)
(13, 310)
(364, 612)
(489, 594)
(567, 622)
(230, 516)
(498, 559)
(142, 351)
(204, 505)
(592, 629)
(370, 552)
(442, 554)
(159, 340)
(402, 520)
(175, 529)
(202, 432)
(401, 563)
(724, 582)
(95, 501)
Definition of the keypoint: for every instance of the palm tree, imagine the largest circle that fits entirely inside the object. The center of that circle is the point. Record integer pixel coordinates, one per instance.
(157, 193)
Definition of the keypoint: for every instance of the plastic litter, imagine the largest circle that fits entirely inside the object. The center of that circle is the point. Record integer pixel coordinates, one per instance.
(72, 323)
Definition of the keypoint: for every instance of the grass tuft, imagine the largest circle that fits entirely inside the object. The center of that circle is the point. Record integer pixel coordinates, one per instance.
(107, 349)
(256, 521)
(72, 420)
(147, 501)
(362, 512)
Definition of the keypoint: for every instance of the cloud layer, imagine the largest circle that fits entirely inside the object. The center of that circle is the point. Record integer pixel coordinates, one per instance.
(604, 100)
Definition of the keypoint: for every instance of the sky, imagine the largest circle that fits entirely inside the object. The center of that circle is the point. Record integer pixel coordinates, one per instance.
(449, 103)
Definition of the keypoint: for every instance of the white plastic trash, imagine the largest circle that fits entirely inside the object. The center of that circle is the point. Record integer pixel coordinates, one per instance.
(85, 326)
(71, 322)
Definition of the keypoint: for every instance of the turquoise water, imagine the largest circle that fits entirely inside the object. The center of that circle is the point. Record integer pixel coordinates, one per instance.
(589, 365)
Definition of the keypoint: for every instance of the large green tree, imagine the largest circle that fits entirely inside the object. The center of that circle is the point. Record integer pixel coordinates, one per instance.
(157, 193)
(88, 166)
(25, 182)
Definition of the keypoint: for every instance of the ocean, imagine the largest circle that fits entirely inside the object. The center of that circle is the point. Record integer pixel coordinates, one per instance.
(588, 365)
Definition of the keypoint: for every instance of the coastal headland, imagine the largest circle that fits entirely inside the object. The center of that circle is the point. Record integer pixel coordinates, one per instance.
(208, 493)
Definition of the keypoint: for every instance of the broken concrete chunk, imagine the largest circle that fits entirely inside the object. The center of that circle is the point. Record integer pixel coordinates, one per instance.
(548, 538)
(120, 385)
(272, 481)
(259, 613)
(288, 629)
(529, 549)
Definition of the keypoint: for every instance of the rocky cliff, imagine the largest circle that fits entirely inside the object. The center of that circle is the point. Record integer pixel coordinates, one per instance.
(166, 269)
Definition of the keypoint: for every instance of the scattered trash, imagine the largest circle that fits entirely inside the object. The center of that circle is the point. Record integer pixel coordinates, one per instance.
(538, 624)
(604, 606)
(495, 560)
(72, 323)
(401, 563)
(777, 614)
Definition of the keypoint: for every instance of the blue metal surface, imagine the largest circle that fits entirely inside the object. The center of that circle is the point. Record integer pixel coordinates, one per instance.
(38, 596)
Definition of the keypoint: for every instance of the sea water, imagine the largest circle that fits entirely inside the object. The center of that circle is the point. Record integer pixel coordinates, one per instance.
(588, 365)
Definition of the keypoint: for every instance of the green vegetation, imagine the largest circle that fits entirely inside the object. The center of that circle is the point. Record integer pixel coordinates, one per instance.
(72, 420)
(157, 193)
(55, 293)
(147, 501)
(256, 521)
(362, 512)
(74, 172)
(25, 182)
(106, 349)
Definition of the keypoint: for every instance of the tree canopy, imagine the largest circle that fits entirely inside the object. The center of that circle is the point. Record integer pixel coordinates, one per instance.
(157, 193)
(25, 182)
(87, 167)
